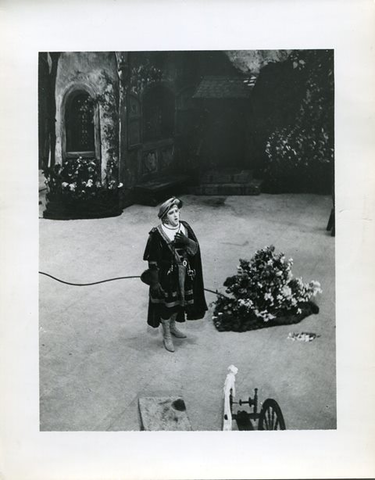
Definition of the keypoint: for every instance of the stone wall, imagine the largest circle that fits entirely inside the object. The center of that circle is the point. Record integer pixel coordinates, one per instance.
(141, 158)
(96, 73)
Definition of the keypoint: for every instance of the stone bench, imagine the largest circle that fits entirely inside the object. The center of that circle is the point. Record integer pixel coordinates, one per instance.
(155, 191)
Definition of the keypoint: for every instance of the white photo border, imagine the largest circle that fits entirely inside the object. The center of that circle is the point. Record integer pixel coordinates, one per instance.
(29, 27)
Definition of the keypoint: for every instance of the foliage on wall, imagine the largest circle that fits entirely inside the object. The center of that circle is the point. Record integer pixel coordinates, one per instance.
(143, 75)
(108, 101)
(300, 155)
(252, 61)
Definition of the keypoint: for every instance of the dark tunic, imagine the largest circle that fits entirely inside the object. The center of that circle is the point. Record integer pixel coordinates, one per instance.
(180, 276)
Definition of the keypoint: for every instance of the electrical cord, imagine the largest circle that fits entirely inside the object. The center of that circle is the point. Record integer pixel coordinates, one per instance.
(109, 280)
(86, 284)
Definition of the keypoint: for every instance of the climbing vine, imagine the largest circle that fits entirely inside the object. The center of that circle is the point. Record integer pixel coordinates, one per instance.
(143, 75)
(108, 101)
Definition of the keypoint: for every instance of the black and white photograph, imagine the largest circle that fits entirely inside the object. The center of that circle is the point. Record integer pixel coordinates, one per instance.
(187, 232)
(187, 202)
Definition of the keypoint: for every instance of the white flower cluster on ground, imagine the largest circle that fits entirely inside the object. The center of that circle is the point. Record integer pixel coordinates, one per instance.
(264, 288)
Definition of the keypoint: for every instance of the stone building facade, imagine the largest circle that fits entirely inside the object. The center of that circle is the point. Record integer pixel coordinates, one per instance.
(156, 114)
(163, 114)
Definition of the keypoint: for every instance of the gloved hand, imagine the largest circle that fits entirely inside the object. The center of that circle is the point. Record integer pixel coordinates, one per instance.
(156, 289)
(181, 239)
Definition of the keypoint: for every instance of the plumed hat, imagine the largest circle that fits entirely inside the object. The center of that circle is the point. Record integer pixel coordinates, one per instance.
(167, 205)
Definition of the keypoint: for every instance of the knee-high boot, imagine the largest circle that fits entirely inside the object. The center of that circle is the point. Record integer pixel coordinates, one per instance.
(167, 337)
(175, 331)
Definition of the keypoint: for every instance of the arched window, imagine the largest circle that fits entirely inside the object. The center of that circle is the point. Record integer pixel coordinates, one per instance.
(158, 114)
(79, 124)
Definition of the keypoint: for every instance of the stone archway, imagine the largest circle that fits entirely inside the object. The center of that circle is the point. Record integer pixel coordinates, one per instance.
(63, 148)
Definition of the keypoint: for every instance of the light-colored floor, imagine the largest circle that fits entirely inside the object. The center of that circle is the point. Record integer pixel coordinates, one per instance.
(97, 358)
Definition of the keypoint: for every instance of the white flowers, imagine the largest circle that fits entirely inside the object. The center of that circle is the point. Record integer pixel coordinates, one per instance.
(286, 291)
(264, 289)
(315, 288)
(302, 337)
(246, 303)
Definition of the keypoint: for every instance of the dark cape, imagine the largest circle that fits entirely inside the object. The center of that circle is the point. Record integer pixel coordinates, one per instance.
(159, 251)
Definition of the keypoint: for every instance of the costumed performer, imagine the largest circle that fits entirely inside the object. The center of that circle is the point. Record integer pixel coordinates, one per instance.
(175, 273)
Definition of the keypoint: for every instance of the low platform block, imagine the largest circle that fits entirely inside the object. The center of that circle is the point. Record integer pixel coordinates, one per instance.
(163, 413)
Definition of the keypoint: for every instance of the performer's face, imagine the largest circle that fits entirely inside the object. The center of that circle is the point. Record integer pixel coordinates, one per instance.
(173, 216)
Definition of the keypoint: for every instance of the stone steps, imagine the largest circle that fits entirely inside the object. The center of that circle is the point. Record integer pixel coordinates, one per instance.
(250, 188)
(226, 176)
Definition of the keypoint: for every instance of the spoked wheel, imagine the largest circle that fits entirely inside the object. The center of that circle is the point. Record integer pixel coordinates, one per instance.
(270, 417)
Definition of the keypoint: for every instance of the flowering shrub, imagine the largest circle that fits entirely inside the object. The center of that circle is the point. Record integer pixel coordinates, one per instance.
(298, 159)
(263, 290)
(75, 190)
(300, 150)
(79, 179)
(75, 179)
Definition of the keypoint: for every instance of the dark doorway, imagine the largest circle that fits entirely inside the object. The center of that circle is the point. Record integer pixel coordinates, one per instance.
(224, 139)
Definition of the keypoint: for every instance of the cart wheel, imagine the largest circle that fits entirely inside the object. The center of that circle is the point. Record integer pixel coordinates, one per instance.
(270, 417)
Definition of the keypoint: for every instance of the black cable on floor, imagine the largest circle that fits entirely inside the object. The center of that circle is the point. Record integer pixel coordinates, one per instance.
(109, 280)
(87, 284)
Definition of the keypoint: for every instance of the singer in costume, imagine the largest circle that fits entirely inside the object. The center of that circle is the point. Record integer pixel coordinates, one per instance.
(174, 273)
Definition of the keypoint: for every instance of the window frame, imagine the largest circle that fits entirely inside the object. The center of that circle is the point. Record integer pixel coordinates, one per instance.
(69, 94)
(69, 113)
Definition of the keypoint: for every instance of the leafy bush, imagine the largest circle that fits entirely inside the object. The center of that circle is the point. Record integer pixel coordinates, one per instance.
(299, 160)
(76, 179)
(263, 289)
(299, 155)
(79, 180)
